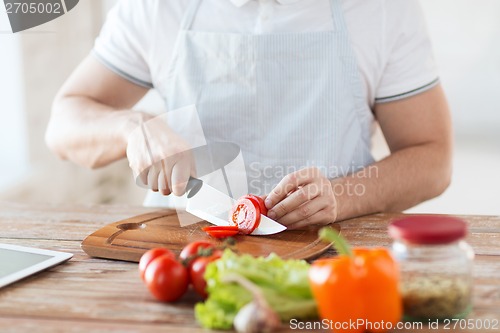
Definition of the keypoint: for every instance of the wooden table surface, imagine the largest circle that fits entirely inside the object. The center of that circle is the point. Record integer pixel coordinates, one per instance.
(97, 295)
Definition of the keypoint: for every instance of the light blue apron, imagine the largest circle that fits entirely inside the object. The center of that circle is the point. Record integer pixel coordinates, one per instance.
(289, 100)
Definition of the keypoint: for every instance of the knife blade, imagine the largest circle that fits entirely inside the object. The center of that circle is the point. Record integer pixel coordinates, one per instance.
(214, 206)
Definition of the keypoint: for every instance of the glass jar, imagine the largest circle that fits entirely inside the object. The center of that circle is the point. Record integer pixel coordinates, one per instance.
(436, 266)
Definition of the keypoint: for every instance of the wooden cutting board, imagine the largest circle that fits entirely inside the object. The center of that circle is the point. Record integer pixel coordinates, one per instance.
(130, 238)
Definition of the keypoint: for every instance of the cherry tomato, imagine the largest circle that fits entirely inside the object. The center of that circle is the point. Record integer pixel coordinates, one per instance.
(246, 214)
(166, 278)
(192, 250)
(197, 272)
(150, 256)
(260, 201)
(221, 231)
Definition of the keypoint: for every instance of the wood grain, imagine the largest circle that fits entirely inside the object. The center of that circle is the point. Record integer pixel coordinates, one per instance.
(128, 239)
(99, 295)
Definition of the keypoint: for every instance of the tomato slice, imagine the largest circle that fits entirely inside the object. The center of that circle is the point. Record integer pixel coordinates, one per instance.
(221, 231)
(220, 227)
(246, 214)
(260, 202)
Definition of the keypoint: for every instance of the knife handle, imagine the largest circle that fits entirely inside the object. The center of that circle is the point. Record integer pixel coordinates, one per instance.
(193, 186)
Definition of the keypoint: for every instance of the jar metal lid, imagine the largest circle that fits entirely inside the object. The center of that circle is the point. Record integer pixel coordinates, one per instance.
(428, 229)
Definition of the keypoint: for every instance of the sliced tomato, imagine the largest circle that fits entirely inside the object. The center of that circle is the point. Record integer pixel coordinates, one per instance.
(260, 202)
(246, 214)
(221, 231)
(220, 228)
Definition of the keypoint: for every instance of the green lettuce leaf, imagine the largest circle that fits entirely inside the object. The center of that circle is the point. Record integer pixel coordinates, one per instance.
(284, 284)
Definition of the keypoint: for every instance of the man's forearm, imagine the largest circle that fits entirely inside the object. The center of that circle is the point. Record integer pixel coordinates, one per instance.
(405, 178)
(89, 133)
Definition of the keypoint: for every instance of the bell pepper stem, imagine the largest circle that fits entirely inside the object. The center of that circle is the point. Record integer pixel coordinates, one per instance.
(339, 243)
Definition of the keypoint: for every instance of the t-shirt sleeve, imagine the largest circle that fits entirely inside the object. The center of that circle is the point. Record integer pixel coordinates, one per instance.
(410, 66)
(125, 41)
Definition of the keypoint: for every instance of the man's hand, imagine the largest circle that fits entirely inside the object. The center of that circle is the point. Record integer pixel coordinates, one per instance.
(418, 132)
(159, 158)
(302, 198)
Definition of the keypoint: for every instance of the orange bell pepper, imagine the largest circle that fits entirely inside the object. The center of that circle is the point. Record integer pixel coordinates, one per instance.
(358, 290)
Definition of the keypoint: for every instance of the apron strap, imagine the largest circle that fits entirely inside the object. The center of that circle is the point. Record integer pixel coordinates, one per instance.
(338, 15)
(189, 15)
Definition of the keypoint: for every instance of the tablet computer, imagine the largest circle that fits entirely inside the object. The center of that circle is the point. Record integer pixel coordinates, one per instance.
(18, 262)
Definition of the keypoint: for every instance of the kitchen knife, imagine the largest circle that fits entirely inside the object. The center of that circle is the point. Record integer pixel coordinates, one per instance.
(214, 206)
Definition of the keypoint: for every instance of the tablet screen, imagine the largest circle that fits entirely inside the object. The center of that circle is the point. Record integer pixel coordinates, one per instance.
(14, 261)
(18, 262)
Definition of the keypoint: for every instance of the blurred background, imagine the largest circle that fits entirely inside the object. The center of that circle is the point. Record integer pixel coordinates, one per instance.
(35, 63)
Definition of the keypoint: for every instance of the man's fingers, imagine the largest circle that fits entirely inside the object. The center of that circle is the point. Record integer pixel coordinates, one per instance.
(180, 176)
(304, 211)
(143, 176)
(294, 200)
(163, 184)
(317, 218)
(153, 173)
(167, 177)
(287, 185)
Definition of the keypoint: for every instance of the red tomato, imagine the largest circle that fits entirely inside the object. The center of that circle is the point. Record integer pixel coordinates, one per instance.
(260, 202)
(221, 231)
(192, 250)
(246, 214)
(150, 255)
(166, 278)
(197, 272)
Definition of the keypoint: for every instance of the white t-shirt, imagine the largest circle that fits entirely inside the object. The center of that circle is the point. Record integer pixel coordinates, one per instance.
(389, 37)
